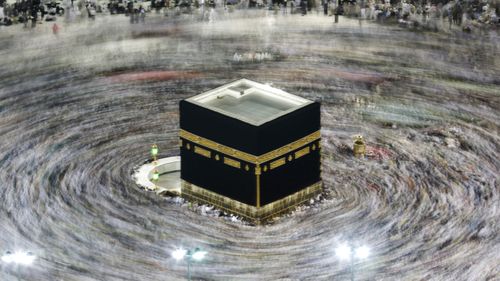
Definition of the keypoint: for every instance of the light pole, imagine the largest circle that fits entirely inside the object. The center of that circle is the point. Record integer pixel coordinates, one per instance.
(154, 152)
(197, 255)
(18, 258)
(156, 177)
(345, 252)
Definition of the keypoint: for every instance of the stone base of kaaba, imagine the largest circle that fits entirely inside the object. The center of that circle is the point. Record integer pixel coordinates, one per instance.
(253, 214)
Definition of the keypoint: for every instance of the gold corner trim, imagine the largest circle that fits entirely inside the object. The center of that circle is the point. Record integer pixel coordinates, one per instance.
(257, 190)
(232, 163)
(202, 151)
(247, 157)
(258, 170)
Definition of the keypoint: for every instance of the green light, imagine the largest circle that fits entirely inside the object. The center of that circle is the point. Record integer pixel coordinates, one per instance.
(154, 150)
(156, 175)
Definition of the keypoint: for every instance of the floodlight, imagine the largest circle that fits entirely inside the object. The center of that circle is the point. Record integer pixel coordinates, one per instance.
(362, 252)
(343, 252)
(7, 257)
(199, 255)
(24, 258)
(179, 254)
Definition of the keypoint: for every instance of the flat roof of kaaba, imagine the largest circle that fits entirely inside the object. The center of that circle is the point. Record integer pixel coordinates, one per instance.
(249, 101)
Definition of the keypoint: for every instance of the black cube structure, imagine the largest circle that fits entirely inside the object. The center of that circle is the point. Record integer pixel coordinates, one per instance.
(250, 149)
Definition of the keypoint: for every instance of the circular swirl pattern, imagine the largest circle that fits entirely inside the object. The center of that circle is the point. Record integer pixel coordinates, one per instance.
(78, 113)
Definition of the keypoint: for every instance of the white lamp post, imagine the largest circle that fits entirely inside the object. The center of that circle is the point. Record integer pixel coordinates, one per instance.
(156, 177)
(345, 252)
(197, 255)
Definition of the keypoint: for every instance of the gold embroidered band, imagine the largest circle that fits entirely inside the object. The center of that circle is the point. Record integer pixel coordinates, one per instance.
(247, 157)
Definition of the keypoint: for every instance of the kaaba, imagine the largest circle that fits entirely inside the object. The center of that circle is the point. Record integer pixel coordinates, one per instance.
(250, 149)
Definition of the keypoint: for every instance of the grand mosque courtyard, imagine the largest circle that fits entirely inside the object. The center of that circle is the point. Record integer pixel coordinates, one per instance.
(80, 110)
